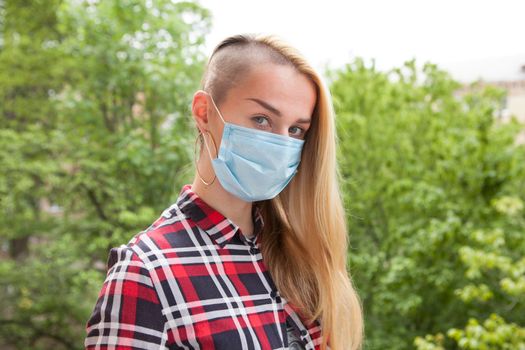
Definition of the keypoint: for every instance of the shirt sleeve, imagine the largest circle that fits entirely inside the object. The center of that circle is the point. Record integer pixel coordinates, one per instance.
(128, 314)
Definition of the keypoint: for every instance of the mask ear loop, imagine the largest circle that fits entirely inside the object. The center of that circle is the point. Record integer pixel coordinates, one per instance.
(195, 156)
(206, 145)
(216, 108)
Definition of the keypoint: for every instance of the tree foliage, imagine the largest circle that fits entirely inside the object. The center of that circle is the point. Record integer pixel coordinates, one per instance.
(94, 135)
(431, 178)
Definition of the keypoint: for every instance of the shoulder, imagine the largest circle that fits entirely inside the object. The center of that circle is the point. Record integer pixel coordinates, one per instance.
(170, 231)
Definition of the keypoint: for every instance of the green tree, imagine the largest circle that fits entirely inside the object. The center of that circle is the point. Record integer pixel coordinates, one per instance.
(421, 166)
(496, 277)
(94, 136)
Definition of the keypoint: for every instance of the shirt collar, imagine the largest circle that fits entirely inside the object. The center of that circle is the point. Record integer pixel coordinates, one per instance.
(216, 225)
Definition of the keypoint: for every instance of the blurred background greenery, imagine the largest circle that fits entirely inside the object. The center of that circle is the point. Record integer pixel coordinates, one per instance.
(96, 140)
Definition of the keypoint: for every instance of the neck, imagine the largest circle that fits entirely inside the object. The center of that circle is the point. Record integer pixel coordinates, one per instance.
(232, 207)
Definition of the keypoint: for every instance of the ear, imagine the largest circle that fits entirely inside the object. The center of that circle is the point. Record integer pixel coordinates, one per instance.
(199, 109)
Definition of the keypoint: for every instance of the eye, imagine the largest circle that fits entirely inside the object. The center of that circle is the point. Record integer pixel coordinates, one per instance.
(261, 121)
(296, 131)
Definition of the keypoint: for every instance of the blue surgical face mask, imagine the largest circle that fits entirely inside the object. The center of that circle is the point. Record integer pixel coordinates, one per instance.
(253, 164)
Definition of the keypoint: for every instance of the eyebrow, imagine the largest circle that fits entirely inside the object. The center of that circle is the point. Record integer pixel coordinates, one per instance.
(266, 105)
(274, 110)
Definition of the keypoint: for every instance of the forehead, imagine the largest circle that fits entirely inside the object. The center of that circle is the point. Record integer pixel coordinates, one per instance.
(290, 91)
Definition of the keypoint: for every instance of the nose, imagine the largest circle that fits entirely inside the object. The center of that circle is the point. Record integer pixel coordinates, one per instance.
(281, 131)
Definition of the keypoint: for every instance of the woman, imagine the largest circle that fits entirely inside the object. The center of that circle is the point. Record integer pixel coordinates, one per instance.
(253, 253)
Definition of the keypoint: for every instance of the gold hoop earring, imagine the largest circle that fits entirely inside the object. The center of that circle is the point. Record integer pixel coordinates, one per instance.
(195, 157)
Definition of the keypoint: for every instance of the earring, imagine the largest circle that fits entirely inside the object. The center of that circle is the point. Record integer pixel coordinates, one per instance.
(195, 157)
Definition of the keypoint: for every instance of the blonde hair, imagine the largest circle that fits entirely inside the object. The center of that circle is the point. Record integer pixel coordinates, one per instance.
(304, 242)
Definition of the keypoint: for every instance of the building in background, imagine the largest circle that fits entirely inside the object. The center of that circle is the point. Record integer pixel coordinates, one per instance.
(514, 103)
(507, 73)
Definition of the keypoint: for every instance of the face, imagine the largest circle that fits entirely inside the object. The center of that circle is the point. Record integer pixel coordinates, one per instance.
(273, 98)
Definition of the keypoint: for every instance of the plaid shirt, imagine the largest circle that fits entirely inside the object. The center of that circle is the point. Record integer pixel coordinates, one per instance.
(192, 280)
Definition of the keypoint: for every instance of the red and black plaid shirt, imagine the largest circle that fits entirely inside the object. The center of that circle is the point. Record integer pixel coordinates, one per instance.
(192, 280)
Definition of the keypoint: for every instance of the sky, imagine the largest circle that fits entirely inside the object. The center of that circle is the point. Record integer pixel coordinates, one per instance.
(469, 38)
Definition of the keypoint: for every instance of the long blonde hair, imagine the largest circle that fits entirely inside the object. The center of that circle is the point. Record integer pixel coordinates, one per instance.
(304, 242)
